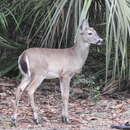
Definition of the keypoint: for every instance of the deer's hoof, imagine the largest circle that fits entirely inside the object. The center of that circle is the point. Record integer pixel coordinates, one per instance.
(37, 121)
(65, 120)
(13, 120)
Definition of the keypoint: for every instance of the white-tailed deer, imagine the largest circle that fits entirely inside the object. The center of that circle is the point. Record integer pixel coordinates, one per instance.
(37, 64)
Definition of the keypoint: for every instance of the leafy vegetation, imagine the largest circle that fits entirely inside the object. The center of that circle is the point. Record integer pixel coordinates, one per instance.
(117, 35)
(54, 23)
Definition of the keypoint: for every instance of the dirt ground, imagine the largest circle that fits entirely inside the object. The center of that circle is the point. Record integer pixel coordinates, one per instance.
(85, 113)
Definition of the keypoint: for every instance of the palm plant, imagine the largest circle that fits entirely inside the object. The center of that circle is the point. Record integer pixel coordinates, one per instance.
(38, 23)
(54, 23)
(117, 38)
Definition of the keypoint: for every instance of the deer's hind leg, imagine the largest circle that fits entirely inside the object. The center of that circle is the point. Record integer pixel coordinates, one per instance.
(24, 83)
(37, 80)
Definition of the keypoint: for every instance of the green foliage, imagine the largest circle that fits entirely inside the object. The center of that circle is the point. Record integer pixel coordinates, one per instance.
(54, 23)
(81, 79)
(117, 34)
(40, 23)
(89, 84)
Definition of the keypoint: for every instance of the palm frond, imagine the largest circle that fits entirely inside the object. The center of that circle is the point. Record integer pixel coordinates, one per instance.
(117, 32)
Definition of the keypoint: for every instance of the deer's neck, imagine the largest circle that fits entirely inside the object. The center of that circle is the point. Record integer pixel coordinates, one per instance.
(82, 50)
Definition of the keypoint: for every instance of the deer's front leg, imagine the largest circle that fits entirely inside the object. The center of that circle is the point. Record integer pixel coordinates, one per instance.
(65, 85)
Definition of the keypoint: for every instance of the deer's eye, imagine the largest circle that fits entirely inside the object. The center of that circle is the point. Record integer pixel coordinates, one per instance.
(89, 33)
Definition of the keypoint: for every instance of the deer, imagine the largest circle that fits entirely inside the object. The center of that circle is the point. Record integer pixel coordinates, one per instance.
(37, 64)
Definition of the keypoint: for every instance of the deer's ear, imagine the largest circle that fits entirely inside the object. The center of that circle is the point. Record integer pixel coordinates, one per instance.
(83, 26)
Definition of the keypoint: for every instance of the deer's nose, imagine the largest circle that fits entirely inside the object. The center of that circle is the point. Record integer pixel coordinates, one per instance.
(100, 42)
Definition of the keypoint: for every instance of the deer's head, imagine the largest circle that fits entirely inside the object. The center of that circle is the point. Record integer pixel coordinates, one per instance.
(88, 34)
